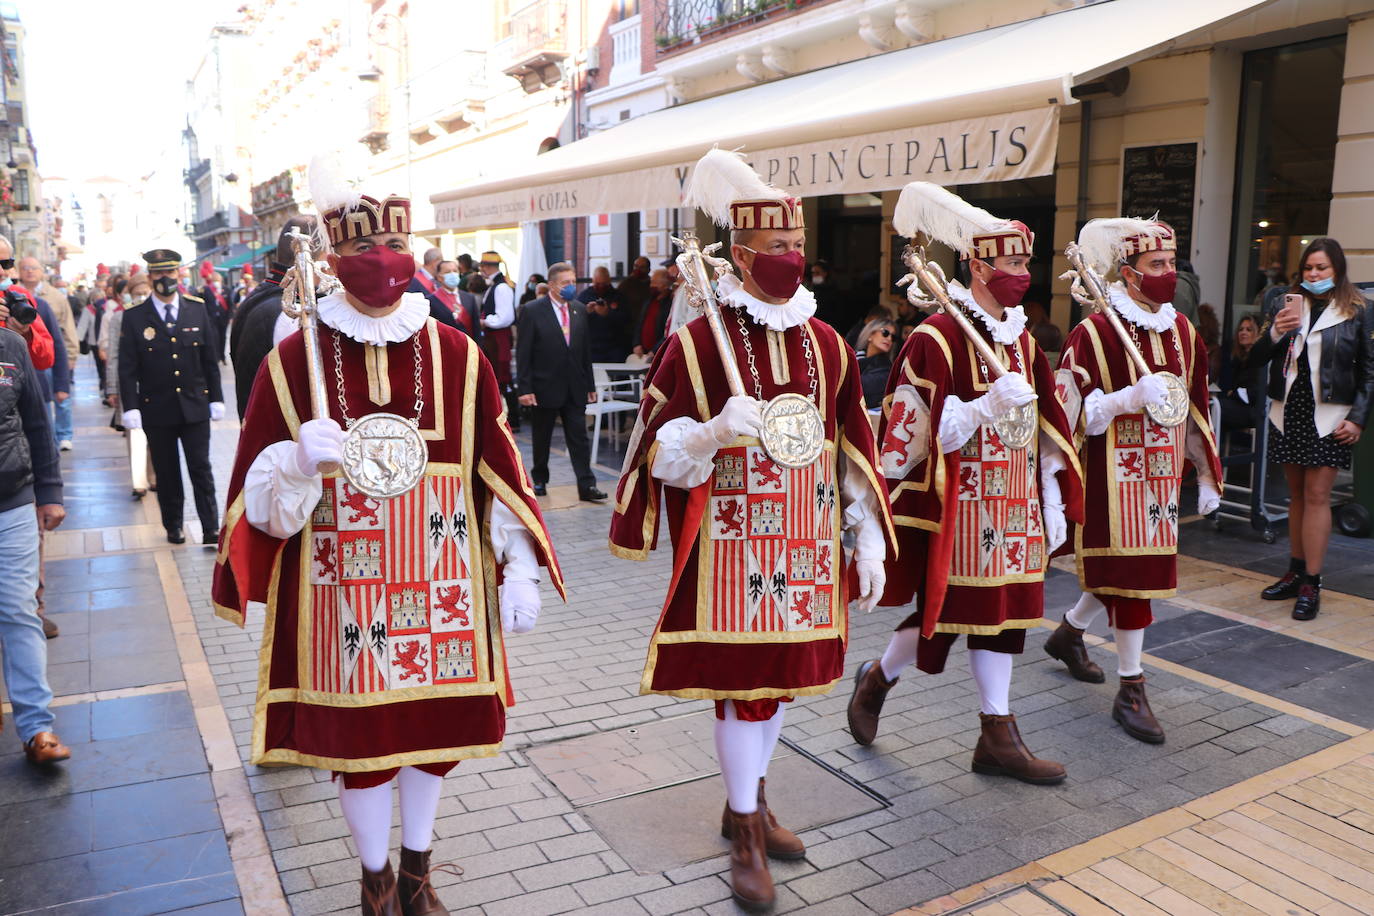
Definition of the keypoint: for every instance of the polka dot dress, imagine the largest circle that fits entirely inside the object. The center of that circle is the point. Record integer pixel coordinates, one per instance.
(1299, 444)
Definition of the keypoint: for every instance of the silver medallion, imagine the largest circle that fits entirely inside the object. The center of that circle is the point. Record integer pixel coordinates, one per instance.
(384, 455)
(793, 432)
(1016, 427)
(1176, 404)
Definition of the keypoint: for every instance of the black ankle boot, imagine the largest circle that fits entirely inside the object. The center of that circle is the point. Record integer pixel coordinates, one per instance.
(1287, 587)
(1309, 599)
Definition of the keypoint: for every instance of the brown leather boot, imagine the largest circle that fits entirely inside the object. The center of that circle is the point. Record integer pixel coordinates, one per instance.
(749, 877)
(866, 703)
(1001, 752)
(46, 747)
(1066, 645)
(778, 841)
(1132, 710)
(412, 884)
(379, 893)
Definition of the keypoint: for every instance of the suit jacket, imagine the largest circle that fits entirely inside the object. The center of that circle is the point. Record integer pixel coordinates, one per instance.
(172, 376)
(437, 310)
(555, 371)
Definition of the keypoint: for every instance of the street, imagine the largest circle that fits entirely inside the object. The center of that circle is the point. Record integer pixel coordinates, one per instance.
(602, 800)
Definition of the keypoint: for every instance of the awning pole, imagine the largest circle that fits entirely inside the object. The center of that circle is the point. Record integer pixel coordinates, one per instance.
(1085, 117)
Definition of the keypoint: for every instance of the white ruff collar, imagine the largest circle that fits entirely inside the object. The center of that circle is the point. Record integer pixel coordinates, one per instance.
(335, 311)
(1007, 331)
(789, 314)
(1131, 310)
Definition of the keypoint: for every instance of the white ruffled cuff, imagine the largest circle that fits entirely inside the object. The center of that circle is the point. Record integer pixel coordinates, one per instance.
(686, 453)
(1100, 408)
(513, 545)
(277, 497)
(958, 422)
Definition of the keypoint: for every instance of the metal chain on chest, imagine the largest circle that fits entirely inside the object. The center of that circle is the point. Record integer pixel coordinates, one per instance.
(753, 365)
(1015, 362)
(1178, 347)
(339, 383)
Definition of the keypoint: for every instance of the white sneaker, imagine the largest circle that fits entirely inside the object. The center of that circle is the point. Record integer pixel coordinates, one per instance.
(65, 445)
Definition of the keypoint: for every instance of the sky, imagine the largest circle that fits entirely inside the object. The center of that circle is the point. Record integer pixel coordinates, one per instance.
(106, 81)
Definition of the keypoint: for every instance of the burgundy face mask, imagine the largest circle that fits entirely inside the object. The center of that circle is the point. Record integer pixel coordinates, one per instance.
(377, 277)
(778, 275)
(1159, 289)
(1008, 289)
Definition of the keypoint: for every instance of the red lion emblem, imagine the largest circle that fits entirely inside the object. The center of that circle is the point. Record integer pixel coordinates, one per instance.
(767, 471)
(968, 481)
(453, 602)
(324, 555)
(995, 445)
(801, 606)
(411, 659)
(1158, 433)
(823, 562)
(357, 504)
(731, 517)
(1014, 550)
(903, 420)
(1130, 463)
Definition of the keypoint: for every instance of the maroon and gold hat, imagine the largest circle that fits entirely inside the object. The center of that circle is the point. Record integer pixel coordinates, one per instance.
(368, 216)
(733, 195)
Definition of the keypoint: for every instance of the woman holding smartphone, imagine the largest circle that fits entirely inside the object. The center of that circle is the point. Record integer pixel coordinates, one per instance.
(1317, 342)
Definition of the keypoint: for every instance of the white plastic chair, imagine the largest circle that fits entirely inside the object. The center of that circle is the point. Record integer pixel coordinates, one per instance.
(607, 405)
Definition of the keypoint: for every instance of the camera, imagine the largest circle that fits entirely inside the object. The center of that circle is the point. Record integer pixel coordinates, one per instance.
(21, 311)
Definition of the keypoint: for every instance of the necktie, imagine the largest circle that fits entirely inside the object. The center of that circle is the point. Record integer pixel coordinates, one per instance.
(563, 321)
(169, 316)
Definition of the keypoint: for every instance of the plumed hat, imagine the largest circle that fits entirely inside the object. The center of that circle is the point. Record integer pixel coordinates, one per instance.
(335, 180)
(947, 218)
(731, 193)
(1106, 243)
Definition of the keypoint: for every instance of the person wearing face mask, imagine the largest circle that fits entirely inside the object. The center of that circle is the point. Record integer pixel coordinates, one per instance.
(169, 386)
(384, 615)
(977, 516)
(1318, 343)
(1128, 544)
(498, 320)
(466, 308)
(696, 468)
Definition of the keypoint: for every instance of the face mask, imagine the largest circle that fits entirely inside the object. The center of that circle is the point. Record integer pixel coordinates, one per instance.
(376, 278)
(5, 283)
(1320, 287)
(127, 299)
(1159, 289)
(817, 279)
(530, 286)
(165, 286)
(778, 275)
(1008, 289)
(451, 278)
(567, 293)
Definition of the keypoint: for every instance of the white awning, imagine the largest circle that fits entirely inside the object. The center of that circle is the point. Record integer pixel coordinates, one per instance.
(978, 107)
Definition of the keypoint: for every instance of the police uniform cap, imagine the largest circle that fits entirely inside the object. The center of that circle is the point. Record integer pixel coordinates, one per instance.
(162, 259)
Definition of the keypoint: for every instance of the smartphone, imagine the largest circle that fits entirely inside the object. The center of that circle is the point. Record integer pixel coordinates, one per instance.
(1293, 299)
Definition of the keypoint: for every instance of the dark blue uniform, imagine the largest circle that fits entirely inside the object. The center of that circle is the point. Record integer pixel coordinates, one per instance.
(170, 373)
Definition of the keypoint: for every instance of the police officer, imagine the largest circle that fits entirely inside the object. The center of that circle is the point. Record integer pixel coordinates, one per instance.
(169, 377)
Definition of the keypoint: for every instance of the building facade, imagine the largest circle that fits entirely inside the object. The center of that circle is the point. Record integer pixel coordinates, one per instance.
(22, 212)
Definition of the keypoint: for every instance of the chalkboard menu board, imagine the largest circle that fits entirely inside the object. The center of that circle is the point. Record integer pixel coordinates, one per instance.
(1162, 179)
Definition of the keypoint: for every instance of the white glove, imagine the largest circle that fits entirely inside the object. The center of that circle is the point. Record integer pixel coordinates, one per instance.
(1056, 528)
(519, 605)
(1208, 498)
(319, 442)
(1011, 390)
(1149, 390)
(216, 410)
(132, 419)
(741, 415)
(872, 579)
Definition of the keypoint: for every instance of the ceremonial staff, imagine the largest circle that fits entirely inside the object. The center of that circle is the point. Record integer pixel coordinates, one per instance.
(298, 301)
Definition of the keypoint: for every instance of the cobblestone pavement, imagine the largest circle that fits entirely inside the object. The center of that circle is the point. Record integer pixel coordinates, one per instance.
(941, 837)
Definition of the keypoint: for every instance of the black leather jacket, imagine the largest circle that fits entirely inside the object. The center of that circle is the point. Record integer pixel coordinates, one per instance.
(1346, 374)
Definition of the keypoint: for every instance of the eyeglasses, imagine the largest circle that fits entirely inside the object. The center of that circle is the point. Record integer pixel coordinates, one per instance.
(7, 263)
(885, 332)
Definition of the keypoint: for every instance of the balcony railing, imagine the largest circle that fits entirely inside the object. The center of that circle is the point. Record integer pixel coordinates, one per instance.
(538, 43)
(679, 23)
(625, 51)
(210, 225)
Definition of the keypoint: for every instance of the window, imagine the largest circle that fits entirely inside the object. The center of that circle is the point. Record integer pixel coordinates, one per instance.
(501, 10)
(21, 189)
(1285, 156)
(624, 9)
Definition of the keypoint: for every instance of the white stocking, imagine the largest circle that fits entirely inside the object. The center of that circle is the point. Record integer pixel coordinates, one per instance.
(419, 803)
(368, 813)
(901, 651)
(992, 673)
(1082, 614)
(772, 731)
(1129, 645)
(739, 746)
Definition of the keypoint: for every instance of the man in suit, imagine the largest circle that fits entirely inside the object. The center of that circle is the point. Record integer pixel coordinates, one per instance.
(169, 386)
(554, 377)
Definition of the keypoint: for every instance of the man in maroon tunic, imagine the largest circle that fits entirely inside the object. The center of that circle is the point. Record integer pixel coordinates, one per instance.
(977, 516)
(756, 609)
(1127, 547)
(383, 653)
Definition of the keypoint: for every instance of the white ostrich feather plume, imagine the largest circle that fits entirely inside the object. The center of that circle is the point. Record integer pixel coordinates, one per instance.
(943, 216)
(1100, 239)
(722, 177)
(335, 178)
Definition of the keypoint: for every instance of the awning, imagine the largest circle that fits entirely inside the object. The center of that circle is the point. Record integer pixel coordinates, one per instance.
(975, 108)
(240, 260)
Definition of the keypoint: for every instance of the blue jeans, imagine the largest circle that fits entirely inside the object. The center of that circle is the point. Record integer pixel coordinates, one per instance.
(62, 418)
(21, 633)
